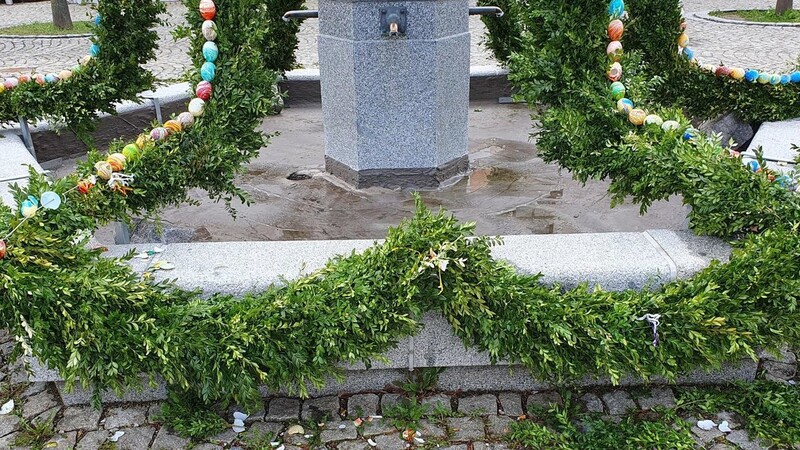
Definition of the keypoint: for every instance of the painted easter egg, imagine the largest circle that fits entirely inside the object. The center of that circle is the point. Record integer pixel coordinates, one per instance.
(614, 50)
(774, 79)
(51, 78)
(186, 119)
(10, 83)
(763, 78)
(617, 90)
(143, 140)
(785, 79)
(97, 19)
(208, 9)
(795, 77)
(709, 68)
(103, 169)
(173, 126)
(615, 30)
(94, 50)
(754, 166)
(723, 71)
(39, 78)
(131, 152)
(208, 71)
(616, 8)
(28, 208)
(683, 25)
(683, 40)
(197, 106)
(783, 181)
(615, 72)
(65, 74)
(751, 75)
(210, 51)
(117, 161)
(51, 200)
(670, 125)
(24, 78)
(209, 29)
(737, 73)
(624, 105)
(2, 88)
(2, 249)
(653, 119)
(203, 90)
(85, 60)
(84, 186)
(689, 134)
(637, 116)
(688, 53)
(159, 133)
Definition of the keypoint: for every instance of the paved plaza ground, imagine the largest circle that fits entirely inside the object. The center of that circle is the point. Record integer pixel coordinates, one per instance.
(767, 48)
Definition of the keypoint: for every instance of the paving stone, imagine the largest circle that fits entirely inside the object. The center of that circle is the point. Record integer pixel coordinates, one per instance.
(478, 404)
(466, 428)
(437, 401)
(543, 400)
(125, 416)
(353, 445)
(334, 432)
(38, 404)
(34, 388)
(591, 403)
(488, 446)
(259, 430)
(8, 424)
(362, 405)
(224, 437)
(498, 426)
(429, 430)
(295, 439)
(153, 411)
(389, 400)
(703, 436)
(79, 418)
(92, 440)
(618, 402)
(48, 415)
(207, 447)
(734, 421)
(779, 370)
(62, 441)
(321, 408)
(282, 409)
(169, 440)
(662, 396)
(136, 438)
(742, 439)
(7, 441)
(455, 447)
(376, 427)
(722, 447)
(389, 442)
(511, 403)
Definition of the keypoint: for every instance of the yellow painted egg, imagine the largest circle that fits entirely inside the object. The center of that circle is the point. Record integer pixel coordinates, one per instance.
(173, 126)
(117, 161)
(637, 116)
(104, 169)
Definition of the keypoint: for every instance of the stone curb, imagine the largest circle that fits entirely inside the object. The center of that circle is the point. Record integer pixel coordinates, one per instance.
(708, 17)
(47, 36)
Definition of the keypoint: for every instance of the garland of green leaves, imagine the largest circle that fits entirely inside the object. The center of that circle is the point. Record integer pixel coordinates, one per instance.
(112, 71)
(99, 324)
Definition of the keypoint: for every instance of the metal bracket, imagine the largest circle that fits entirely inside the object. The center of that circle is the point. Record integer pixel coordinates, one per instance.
(27, 139)
(393, 21)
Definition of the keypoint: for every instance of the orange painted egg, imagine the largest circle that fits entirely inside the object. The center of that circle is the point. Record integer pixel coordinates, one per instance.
(737, 73)
(208, 9)
(117, 161)
(173, 126)
(39, 78)
(683, 40)
(637, 116)
(84, 186)
(64, 74)
(24, 78)
(615, 30)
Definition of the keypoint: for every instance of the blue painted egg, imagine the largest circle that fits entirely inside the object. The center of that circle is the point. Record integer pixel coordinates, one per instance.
(785, 79)
(616, 8)
(51, 200)
(28, 209)
(97, 19)
(688, 53)
(774, 79)
(51, 78)
(753, 166)
(617, 90)
(94, 50)
(751, 75)
(210, 51)
(624, 105)
(795, 77)
(783, 181)
(763, 78)
(689, 134)
(208, 71)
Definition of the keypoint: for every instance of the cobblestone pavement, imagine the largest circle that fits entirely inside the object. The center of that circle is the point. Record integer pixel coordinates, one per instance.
(767, 48)
(455, 420)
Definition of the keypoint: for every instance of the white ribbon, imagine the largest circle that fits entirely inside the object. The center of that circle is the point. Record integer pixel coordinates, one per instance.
(654, 320)
(120, 179)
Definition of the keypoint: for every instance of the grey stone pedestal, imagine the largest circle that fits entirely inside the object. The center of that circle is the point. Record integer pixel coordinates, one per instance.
(395, 108)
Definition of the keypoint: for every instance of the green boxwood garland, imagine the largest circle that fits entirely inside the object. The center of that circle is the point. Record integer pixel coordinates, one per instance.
(98, 323)
(126, 42)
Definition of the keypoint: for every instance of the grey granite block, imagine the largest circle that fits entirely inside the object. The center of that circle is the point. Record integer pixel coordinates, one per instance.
(618, 402)
(38, 404)
(80, 396)
(498, 426)
(321, 408)
(478, 404)
(390, 442)
(661, 396)
(466, 428)
(338, 431)
(776, 139)
(429, 430)
(79, 418)
(361, 405)
(282, 409)
(689, 252)
(168, 440)
(510, 403)
(136, 438)
(543, 401)
(124, 416)
(592, 403)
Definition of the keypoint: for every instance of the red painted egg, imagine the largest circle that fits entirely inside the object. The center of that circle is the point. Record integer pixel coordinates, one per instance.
(723, 71)
(2, 249)
(615, 30)
(208, 9)
(204, 90)
(84, 186)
